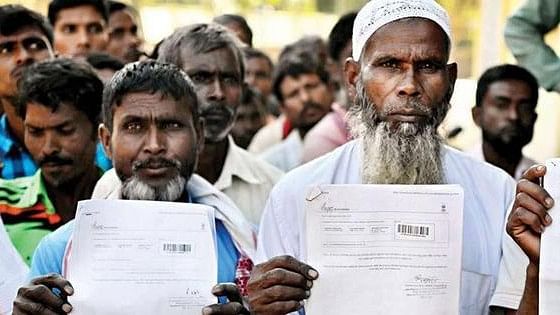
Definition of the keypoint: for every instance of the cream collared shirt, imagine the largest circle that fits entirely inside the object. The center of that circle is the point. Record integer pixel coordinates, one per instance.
(247, 180)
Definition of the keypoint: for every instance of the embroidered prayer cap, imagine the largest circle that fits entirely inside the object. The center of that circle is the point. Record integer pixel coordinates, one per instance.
(378, 13)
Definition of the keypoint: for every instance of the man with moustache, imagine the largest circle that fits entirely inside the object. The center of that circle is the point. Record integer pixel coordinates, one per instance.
(25, 38)
(302, 86)
(153, 133)
(403, 83)
(506, 98)
(212, 58)
(60, 102)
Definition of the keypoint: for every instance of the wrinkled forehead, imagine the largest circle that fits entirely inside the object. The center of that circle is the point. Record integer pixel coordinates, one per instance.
(408, 36)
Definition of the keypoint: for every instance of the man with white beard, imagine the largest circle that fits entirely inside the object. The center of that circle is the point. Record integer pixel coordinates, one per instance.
(402, 80)
(153, 132)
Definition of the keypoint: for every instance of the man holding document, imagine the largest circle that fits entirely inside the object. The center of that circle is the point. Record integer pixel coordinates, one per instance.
(153, 133)
(403, 83)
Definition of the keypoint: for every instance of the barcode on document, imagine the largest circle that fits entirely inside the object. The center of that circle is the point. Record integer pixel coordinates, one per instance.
(177, 248)
(413, 230)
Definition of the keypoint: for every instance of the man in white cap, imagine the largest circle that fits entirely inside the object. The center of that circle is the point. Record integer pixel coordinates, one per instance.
(402, 80)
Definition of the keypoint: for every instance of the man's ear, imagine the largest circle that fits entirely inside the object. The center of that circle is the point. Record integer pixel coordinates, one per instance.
(476, 112)
(351, 75)
(105, 139)
(452, 75)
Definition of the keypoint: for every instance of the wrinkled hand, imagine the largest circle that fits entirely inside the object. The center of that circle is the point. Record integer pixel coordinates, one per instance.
(279, 286)
(38, 297)
(529, 216)
(233, 307)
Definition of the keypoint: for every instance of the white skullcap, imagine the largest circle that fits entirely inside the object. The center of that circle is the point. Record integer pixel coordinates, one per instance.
(378, 13)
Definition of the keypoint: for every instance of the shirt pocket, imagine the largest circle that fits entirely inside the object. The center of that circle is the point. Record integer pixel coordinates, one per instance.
(476, 291)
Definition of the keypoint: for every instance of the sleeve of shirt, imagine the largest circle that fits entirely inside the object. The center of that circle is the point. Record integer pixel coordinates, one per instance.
(49, 254)
(272, 240)
(511, 277)
(46, 259)
(524, 35)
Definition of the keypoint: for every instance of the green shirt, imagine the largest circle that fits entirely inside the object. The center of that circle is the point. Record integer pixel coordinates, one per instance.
(27, 211)
(524, 34)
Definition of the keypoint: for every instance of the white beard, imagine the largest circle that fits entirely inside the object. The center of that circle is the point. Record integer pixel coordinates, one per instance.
(135, 189)
(409, 153)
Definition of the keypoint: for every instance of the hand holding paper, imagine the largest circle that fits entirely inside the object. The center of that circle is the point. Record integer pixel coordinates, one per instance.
(142, 257)
(385, 249)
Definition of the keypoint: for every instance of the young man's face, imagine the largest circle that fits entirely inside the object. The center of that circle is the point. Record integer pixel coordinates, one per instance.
(258, 74)
(507, 114)
(249, 120)
(17, 51)
(124, 40)
(61, 142)
(79, 31)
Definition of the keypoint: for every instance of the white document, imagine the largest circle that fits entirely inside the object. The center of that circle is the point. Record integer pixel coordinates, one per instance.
(549, 270)
(13, 272)
(142, 257)
(385, 249)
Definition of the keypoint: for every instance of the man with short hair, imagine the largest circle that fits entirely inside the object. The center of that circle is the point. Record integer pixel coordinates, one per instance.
(258, 70)
(303, 89)
(212, 58)
(25, 38)
(403, 83)
(506, 98)
(60, 105)
(153, 132)
(340, 48)
(125, 40)
(332, 131)
(80, 26)
(258, 74)
(238, 25)
(251, 116)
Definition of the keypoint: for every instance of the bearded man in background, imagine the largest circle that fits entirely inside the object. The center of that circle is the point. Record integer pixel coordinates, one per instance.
(402, 80)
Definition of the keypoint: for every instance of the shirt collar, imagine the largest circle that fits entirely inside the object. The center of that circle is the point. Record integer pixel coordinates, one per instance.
(235, 165)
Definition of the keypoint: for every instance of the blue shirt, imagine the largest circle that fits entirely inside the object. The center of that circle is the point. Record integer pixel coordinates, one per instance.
(17, 162)
(50, 253)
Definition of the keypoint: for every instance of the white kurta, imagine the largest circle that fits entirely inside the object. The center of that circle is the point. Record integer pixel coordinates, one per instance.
(488, 193)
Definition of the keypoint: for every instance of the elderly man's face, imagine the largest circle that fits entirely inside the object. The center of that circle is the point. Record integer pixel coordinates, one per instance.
(218, 81)
(154, 145)
(404, 71)
(403, 85)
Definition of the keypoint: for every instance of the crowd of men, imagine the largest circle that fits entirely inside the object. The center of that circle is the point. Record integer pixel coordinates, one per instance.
(208, 118)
